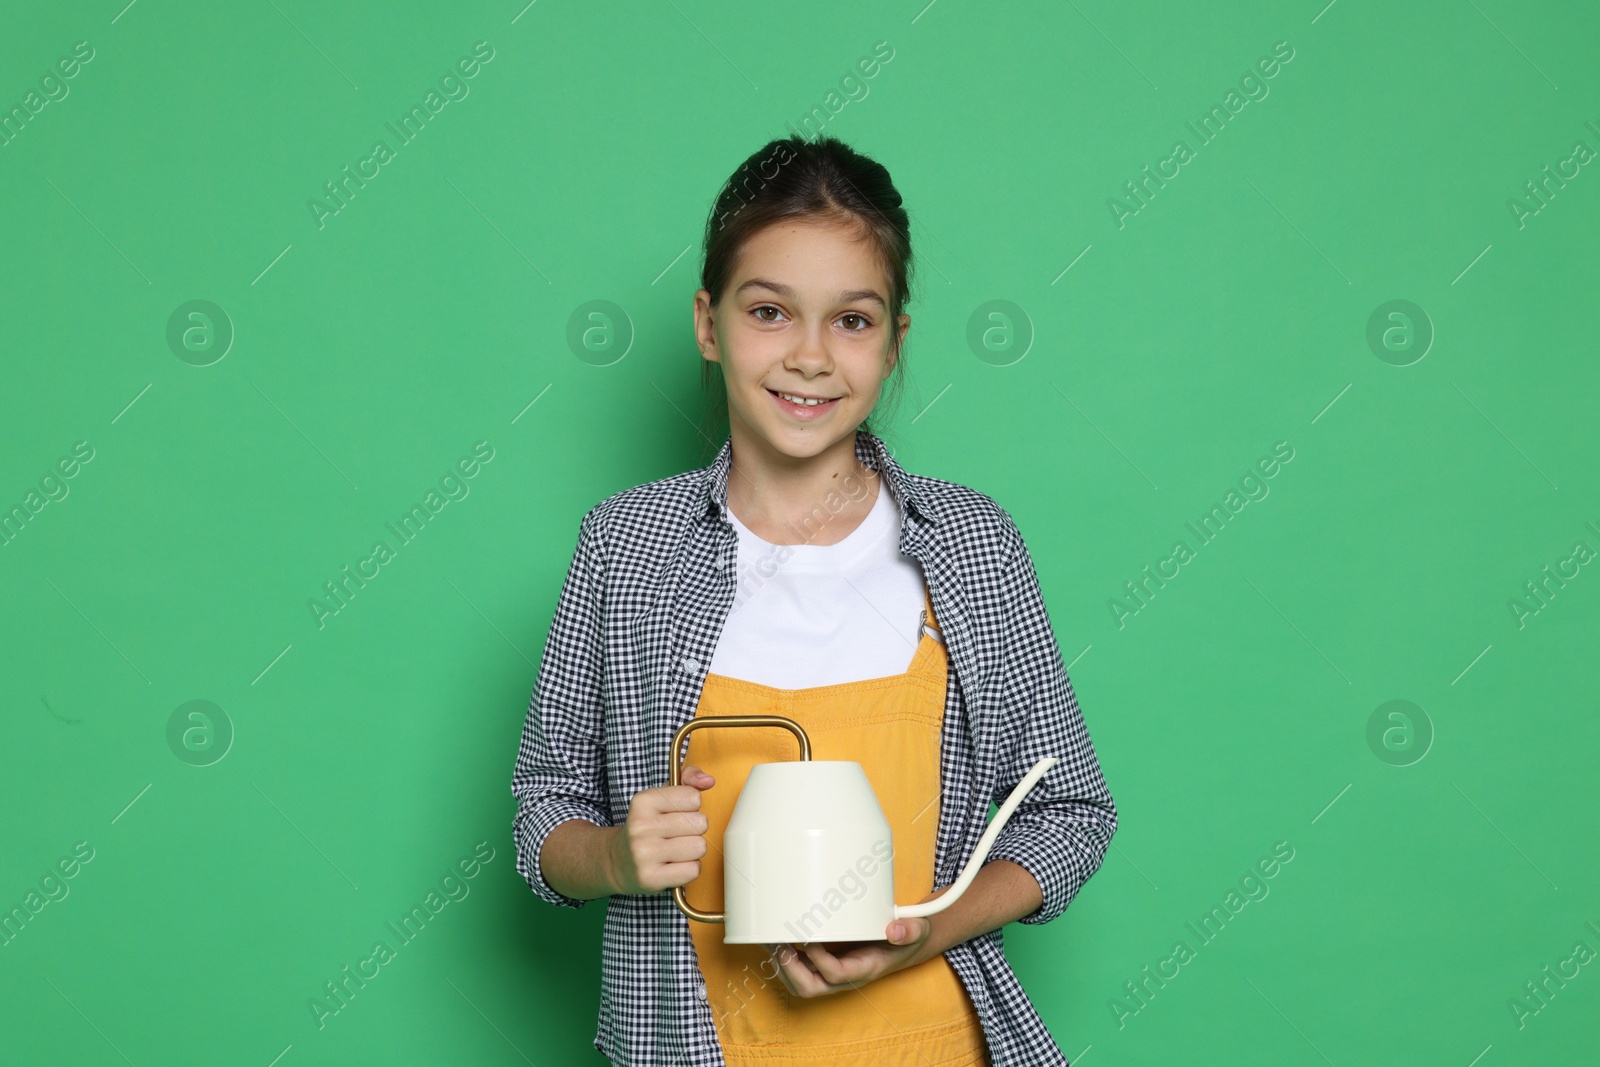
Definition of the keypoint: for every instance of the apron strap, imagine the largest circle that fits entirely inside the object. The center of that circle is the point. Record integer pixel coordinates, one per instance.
(927, 611)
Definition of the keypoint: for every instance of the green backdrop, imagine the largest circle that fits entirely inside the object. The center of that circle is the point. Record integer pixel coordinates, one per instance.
(1370, 272)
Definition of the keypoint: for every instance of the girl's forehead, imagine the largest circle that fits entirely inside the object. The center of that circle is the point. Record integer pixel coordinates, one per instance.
(811, 254)
(820, 231)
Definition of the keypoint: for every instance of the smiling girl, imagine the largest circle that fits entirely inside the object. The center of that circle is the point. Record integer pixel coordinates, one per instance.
(897, 617)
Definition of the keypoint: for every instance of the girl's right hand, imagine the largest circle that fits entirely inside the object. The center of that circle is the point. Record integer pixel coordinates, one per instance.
(661, 844)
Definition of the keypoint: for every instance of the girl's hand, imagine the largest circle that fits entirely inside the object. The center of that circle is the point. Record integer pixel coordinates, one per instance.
(663, 839)
(817, 969)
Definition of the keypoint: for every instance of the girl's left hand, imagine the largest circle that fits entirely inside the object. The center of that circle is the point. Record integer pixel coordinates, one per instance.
(818, 969)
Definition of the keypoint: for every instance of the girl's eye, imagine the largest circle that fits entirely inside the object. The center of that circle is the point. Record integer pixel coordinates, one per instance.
(859, 317)
(765, 307)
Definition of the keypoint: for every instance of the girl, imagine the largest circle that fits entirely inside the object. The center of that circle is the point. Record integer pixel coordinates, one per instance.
(897, 617)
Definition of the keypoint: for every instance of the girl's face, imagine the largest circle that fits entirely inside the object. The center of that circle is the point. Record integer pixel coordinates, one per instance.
(804, 316)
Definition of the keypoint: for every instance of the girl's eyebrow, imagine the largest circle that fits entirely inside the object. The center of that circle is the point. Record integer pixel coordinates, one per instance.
(846, 297)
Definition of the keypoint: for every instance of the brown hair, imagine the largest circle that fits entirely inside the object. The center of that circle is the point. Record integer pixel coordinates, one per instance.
(789, 178)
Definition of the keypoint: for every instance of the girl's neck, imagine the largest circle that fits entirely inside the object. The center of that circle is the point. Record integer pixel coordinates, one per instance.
(788, 500)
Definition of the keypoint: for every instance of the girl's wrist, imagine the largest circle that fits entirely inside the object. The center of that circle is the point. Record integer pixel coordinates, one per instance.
(939, 939)
(611, 865)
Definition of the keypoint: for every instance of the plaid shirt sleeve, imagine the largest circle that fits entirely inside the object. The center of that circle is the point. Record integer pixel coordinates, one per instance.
(560, 768)
(1060, 831)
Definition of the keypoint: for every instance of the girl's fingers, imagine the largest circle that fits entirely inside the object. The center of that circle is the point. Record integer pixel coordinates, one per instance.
(834, 970)
(680, 873)
(686, 824)
(680, 849)
(696, 777)
(796, 975)
(816, 958)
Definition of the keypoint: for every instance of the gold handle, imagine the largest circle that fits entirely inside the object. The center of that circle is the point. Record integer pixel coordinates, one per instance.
(680, 896)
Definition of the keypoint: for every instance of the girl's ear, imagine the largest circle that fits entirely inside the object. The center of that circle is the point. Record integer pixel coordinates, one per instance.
(902, 325)
(705, 330)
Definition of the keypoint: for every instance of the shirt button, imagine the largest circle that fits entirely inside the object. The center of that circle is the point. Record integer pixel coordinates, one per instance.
(691, 665)
(700, 990)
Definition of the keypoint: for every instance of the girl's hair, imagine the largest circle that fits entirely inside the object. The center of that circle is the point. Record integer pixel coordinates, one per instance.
(824, 180)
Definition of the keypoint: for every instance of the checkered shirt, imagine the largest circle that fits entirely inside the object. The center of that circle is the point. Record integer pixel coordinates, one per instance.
(637, 620)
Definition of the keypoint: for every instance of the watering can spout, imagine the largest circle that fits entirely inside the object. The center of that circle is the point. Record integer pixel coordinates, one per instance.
(959, 886)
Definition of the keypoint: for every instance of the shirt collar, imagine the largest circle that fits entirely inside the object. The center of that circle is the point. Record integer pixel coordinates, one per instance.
(870, 450)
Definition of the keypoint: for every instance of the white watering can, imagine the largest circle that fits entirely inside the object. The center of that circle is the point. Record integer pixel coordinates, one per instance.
(808, 854)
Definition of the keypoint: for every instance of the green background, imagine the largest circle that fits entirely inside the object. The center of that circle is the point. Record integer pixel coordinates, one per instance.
(372, 753)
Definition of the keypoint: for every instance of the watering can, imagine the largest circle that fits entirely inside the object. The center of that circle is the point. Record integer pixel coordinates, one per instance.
(808, 854)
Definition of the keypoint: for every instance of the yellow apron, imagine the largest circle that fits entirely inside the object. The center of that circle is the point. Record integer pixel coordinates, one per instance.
(917, 1017)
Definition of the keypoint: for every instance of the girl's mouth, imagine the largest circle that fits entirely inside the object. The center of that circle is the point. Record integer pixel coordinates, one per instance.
(802, 409)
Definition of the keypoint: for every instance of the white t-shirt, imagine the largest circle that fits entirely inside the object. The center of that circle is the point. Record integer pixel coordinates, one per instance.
(810, 615)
